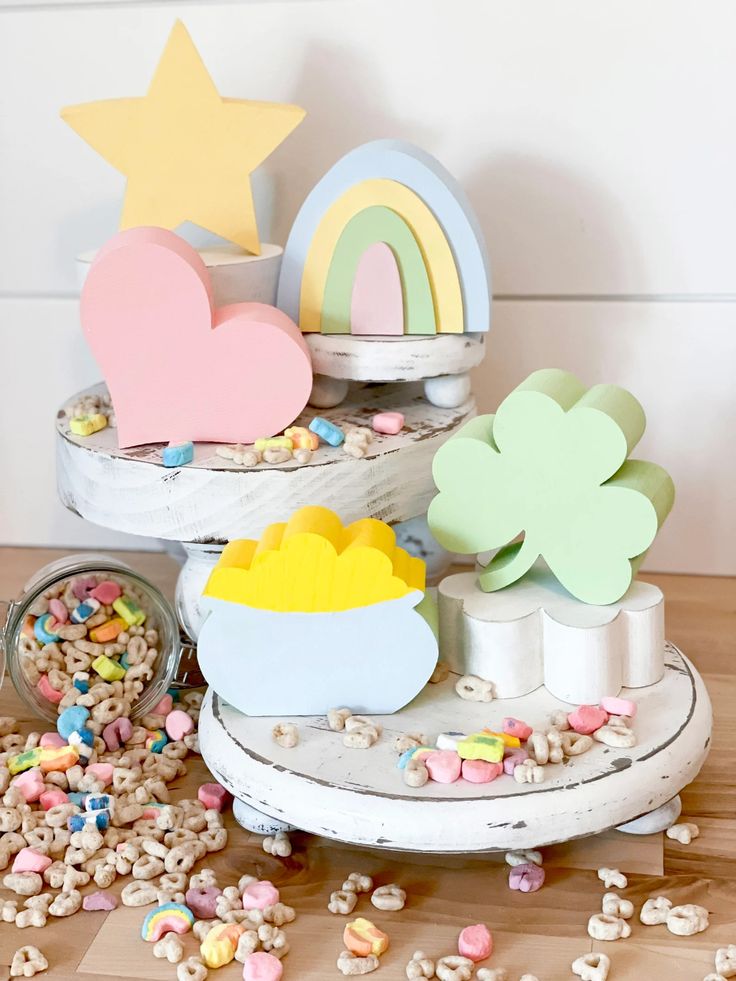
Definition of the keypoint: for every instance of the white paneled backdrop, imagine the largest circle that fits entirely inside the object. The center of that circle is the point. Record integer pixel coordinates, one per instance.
(596, 140)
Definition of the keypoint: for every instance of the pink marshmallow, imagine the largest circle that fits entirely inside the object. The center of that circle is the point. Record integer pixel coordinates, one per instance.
(388, 423)
(99, 901)
(179, 724)
(103, 772)
(512, 759)
(259, 895)
(28, 860)
(443, 765)
(58, 611)
(164, 706)
(52, 740)
(515, 727)
(116, 733)
(30, 784)
(47, 692)
(618, 706)
(82, 588)
(480, 771)
(475, 942)
(261, 966)
(526, 878)
(50, 798)
(106, 592)
(213, 796)
(202, 902)
(587, 718)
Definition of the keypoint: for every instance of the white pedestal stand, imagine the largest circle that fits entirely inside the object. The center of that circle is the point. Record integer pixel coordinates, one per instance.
(440, 361)
(358, 796)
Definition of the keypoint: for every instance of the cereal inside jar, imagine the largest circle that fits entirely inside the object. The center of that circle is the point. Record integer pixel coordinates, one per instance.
(94, 635)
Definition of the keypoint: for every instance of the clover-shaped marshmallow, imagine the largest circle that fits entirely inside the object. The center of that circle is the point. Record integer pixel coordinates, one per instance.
(553, 464)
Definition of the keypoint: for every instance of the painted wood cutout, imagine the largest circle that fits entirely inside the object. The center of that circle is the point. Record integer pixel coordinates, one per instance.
(376, 300)
(186, 151)
(397, 175)
(438, 259)
(317, 614)
(534, 633)
(375, 226)
(552, 465)
(177, 367)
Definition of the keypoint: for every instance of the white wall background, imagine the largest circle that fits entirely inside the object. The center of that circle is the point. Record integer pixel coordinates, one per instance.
(596, 140)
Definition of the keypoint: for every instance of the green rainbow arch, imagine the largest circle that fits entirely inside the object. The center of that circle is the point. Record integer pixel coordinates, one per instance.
(377, 224)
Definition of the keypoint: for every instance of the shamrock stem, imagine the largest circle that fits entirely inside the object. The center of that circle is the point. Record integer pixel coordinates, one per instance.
(508, 565)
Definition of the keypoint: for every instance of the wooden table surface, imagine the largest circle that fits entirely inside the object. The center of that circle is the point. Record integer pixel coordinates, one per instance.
(541, 933)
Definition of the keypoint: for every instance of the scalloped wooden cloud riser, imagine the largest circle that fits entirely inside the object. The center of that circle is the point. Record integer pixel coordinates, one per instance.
(492, 635)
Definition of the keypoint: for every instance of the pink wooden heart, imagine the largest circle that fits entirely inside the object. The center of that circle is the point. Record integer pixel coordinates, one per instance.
(177, 367)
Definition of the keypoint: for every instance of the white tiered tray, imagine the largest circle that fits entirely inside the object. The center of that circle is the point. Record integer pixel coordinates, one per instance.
(211, 501)
(359, 796)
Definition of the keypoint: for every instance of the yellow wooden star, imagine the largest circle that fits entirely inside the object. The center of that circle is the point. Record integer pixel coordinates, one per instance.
(186, 151)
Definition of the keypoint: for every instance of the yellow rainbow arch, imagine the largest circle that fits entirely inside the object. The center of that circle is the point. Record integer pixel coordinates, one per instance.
(438, 258)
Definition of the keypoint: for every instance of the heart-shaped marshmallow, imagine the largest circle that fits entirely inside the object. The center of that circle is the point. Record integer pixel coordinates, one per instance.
(178, 368)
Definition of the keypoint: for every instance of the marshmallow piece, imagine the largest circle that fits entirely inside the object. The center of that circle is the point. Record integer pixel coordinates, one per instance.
(443, 766)
(261, 966)
(526, 878)
(164, 706)
(30, 784)
(362, 938)
(213, 796)
(179, 724)
(618, 706)
(106, 592)
(178, 454)
(99, 900)
(203, 901)
(259, 895)
(587, 718)
(515, 727)
(29, 860)
(480, 771)
(116, 733)
(387, 423)
(51, 740)
(58, 611)
(475, 942)
(102, 771)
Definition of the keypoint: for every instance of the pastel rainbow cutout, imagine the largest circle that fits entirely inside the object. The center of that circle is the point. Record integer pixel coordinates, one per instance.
(168, 918)
(393, 177)
(374, 226)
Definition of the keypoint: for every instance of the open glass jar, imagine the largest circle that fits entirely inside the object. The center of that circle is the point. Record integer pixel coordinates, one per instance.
(65, 579)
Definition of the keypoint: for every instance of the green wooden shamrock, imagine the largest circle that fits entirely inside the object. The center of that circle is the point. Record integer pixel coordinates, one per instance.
(552, 466)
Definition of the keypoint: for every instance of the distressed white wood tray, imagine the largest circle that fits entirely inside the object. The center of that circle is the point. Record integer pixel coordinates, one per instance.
(359, 796)
(212, 500)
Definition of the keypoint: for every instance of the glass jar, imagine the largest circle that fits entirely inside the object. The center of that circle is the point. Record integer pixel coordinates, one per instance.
(173, 654)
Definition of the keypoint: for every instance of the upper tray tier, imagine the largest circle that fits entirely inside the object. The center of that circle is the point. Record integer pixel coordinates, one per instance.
(213, 500)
